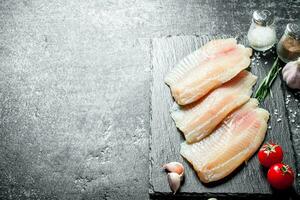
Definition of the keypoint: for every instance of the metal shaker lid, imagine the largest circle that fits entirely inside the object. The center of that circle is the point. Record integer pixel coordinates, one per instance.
(263, 17)
(293, 30)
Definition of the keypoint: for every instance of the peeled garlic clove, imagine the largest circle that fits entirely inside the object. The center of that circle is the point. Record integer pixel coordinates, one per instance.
(174, 180)
(175, 167)
(291, 74)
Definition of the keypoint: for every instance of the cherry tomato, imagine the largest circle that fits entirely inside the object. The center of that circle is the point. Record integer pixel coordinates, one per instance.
(270, 154)
(280, 176)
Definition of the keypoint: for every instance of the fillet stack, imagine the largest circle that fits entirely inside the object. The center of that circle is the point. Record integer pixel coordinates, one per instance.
(222, 126)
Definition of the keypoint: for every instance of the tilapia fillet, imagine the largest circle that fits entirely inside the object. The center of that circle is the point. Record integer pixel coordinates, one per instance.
(199, 119)
(207, 68)
(235, 140)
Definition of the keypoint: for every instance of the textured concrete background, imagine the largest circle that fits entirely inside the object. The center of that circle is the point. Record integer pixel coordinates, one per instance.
(74, 89)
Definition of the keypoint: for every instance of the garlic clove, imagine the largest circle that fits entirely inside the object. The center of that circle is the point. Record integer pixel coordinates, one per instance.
(175, 175)
(175, 167)
(174, 180)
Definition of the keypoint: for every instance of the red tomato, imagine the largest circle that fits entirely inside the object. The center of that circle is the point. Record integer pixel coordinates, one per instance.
(270, 154)
(280, 176)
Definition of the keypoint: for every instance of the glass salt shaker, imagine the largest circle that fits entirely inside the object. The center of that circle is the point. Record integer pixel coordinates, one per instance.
(262, 34)
(288, 48)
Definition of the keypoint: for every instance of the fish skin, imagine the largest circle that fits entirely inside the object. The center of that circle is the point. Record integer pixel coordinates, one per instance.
(235, 140)
(206, 69)
(199, 119)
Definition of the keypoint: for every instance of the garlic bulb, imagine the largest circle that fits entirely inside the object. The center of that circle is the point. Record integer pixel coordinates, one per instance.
(175, 175)
(291, 74)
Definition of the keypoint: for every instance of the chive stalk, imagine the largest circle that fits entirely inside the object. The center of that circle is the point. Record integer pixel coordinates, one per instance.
(265, 86)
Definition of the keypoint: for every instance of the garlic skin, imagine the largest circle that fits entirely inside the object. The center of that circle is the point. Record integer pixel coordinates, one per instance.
(174, 180)
(291, 74)
(175, 175)
(174, 167)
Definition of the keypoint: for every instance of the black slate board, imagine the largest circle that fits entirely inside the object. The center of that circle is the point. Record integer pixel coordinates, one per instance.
(247, 181)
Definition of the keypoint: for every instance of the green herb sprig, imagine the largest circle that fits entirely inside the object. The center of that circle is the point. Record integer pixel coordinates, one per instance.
(265, 86)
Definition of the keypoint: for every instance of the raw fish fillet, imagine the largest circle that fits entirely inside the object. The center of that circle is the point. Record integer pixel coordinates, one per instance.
(232, 143)
(207, 68)
(199, 119)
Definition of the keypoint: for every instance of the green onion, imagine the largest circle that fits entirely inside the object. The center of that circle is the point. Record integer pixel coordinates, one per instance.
(265, 86)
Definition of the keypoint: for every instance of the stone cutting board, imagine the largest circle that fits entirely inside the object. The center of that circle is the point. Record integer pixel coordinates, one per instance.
(247, 181)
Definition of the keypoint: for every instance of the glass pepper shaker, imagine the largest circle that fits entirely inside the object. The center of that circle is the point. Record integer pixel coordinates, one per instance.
(262, 34)
(288, 48)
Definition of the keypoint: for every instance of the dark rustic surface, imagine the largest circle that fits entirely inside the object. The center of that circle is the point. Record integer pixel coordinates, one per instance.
(74, 89)
(166, 138)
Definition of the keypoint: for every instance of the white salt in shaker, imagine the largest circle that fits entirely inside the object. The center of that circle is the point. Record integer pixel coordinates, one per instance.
(262, 34)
